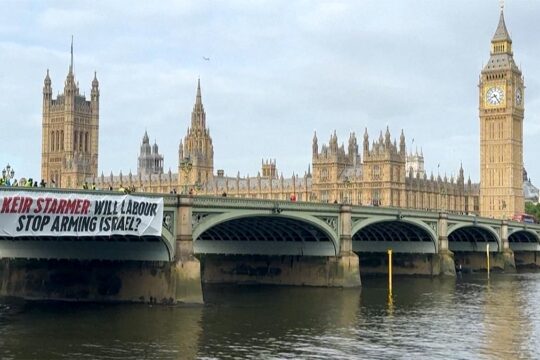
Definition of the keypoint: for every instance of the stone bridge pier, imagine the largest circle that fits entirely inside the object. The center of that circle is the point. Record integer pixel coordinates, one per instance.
(347, 262)
(445, 257)
(186, 269)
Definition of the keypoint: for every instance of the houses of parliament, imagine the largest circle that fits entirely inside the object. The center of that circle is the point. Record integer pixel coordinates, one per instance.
(372, 169)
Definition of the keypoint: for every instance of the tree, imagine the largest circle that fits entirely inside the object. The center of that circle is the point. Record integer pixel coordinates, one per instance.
(533, 209)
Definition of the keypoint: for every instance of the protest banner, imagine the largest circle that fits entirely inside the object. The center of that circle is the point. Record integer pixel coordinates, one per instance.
(28, 213)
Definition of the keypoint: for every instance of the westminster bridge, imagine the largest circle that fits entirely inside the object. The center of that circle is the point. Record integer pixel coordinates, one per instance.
(221, 239)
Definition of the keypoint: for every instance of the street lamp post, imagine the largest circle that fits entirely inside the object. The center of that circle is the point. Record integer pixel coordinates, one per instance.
(7, 174)
(185, 166)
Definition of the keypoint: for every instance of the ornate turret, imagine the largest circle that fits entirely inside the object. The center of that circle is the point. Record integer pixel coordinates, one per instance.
(461, 176)
(47, 90)
(47, 82)
(366, 142)
(94, 93)
(387, 140)
(197, 147)
(315, 146)
(150, 161)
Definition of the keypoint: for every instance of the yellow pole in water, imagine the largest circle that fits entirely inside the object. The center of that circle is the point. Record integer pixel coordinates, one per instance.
(390, 271)
(487, 257)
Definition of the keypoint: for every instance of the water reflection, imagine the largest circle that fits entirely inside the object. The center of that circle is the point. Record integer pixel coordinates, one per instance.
(281, 321)
(507, 326)
(424, 318)
(83, 331)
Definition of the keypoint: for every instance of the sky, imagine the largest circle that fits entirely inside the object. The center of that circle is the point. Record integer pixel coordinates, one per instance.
(278, 71)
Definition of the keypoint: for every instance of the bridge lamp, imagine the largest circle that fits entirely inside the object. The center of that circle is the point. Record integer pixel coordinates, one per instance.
(8, 173)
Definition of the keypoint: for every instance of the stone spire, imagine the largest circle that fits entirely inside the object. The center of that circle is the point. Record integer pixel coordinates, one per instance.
(47, 89)
(198, 100)
(47, 80)
(71, 63)
(366, 141)
(387, 140)
(198, 144)
(70, 86)
(402, 143)
(501, 34)
(95, 82)
(94, 93)
(501, 49)
(315, 146)
(181, 151)
(145, 140)
(198, 116)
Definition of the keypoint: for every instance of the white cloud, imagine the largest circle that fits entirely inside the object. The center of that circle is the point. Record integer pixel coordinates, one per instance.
(278, 71)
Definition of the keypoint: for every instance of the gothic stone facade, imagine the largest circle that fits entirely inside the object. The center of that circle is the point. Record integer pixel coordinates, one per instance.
(70, 130)
(386, 176)
(382, 174)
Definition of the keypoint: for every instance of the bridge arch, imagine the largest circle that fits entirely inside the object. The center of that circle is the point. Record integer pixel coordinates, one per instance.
(473, 238)
(402, 236)
(265, 234)
(524, 240)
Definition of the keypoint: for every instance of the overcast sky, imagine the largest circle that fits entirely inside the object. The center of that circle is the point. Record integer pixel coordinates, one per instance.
(278, 71)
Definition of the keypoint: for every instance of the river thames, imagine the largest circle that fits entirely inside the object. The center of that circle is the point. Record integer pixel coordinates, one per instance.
(426, 318)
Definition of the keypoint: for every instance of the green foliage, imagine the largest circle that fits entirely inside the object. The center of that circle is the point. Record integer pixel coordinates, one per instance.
(533, 209)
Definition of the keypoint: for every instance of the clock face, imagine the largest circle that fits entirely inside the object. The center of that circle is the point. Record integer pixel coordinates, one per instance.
(495, 96)
(519, 96)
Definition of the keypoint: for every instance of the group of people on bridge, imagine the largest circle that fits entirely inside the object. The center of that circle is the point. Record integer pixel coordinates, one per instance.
(22, 182)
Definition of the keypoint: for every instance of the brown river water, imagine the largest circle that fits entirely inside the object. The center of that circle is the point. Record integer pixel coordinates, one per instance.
(469, 317)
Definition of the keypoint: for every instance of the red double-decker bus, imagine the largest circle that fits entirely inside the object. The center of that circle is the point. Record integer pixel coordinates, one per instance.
(525, 218)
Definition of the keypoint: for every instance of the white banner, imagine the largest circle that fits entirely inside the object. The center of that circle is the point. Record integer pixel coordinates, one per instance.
(28, 213)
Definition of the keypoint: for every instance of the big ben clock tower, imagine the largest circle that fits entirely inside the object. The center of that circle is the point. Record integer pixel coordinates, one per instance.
(501, 130)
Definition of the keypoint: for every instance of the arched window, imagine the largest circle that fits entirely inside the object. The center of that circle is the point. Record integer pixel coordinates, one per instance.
(86, 141)
(52, 140)
(81, 139)
(57, 140)
(75, 140)
(62, 140)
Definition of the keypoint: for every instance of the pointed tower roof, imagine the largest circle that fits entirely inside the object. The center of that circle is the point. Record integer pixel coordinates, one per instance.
(501, 34)
(70, 78)
(501, 56)
(95, 82)
(47, 78)
(47, 89)
(71, 63)
(198, 99)
(198, 116)
(145, 139)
